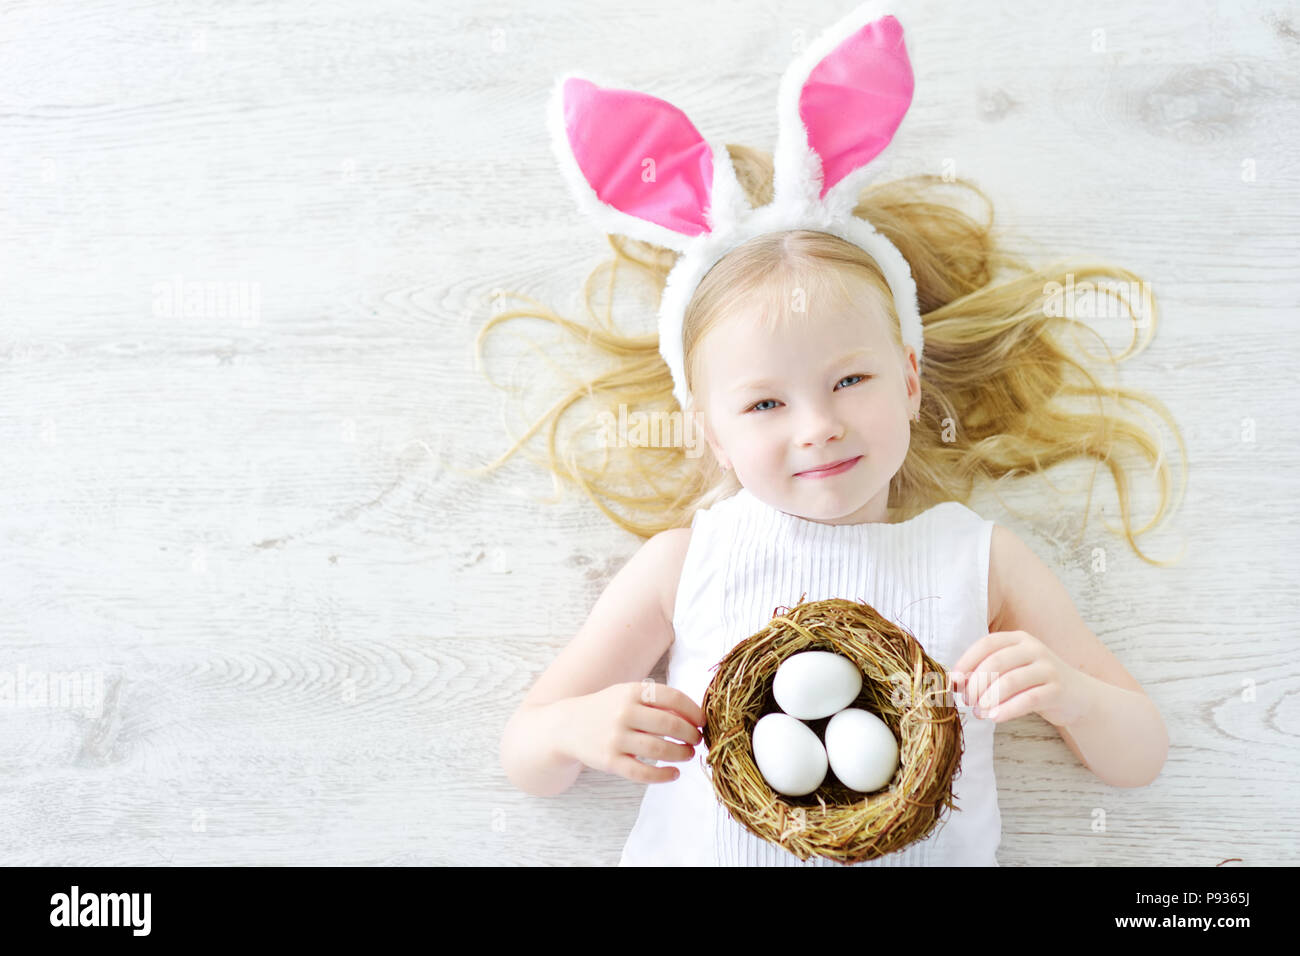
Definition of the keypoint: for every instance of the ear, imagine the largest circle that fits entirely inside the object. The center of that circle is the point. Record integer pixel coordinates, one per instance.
(839, 106)
(638, 166)
(703, 427)
(912, 379)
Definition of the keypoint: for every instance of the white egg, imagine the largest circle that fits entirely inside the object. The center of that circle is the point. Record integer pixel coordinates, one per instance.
(862, 750)
(814, 684)
(789, 755)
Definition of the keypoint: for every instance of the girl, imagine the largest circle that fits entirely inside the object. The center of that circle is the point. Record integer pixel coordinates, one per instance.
(839, 364)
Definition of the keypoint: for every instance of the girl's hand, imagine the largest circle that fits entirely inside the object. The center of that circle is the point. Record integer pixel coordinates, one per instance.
(1012, 673)
(609, 729)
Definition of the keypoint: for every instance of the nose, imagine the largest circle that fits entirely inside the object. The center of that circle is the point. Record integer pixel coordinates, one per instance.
(819, 425)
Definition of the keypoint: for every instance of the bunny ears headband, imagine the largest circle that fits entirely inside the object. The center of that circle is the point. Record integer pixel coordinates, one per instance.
(639, 168)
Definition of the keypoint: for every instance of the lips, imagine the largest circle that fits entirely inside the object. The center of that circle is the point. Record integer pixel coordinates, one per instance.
(833, 466)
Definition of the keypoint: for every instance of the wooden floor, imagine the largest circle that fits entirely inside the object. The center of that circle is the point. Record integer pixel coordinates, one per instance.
(245, 250)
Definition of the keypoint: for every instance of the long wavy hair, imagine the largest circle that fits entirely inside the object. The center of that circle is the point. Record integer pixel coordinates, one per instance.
(1003, 395)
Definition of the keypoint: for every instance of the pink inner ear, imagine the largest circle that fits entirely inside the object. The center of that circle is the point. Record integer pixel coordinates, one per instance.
(855, 98)
(613, 132)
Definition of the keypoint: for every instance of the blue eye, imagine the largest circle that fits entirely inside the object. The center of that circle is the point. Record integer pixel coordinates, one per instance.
(755, 408)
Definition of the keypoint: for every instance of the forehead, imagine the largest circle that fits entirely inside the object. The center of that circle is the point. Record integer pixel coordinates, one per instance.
(788, 317)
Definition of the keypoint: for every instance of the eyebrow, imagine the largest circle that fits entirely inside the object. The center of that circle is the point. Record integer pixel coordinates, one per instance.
(765, 383)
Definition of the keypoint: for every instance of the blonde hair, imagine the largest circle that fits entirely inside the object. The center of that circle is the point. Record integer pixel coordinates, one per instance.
(995, 374)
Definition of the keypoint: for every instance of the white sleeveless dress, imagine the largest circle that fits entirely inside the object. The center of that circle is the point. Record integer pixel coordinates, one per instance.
(746, 558)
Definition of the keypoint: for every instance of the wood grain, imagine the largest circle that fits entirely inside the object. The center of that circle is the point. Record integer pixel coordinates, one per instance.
(243, 521)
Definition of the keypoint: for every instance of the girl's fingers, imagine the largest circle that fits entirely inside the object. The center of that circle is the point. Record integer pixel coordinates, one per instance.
(973, 657)
(1009, 685)
(678, 701)
(1000, 662)
(653, 747)
(663, 723)
(1025, 702)
(628, 766)
(673, 700)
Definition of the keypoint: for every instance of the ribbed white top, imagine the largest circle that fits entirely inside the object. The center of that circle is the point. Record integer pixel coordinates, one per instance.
(746, 558)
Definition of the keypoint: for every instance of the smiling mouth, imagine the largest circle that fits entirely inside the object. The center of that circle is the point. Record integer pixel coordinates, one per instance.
(831, 469)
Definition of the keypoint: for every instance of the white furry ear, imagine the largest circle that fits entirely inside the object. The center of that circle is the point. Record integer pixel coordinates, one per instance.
(838, 107)
(638, 166)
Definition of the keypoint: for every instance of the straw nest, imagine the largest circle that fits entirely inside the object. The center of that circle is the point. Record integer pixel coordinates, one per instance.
(901, 684)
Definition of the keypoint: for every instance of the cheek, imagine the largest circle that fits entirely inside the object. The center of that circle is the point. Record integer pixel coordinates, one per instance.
(883, 425)
(757, 445)
(876, 416)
